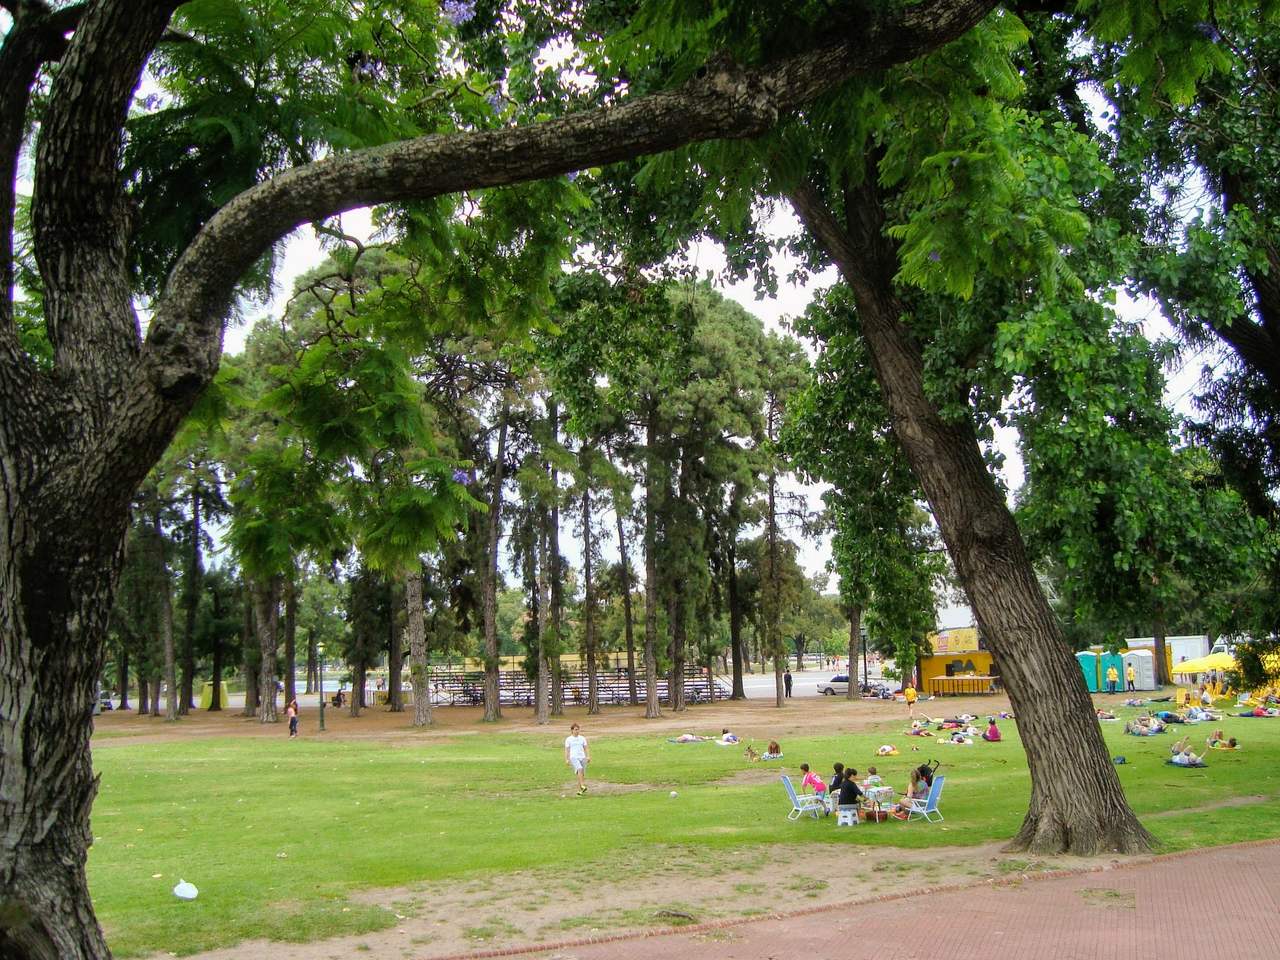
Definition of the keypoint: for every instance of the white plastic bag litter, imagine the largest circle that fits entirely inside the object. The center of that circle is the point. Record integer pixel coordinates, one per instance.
(185, 891)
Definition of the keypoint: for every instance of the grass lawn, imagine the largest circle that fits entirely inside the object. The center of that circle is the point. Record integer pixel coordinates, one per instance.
(278, 835)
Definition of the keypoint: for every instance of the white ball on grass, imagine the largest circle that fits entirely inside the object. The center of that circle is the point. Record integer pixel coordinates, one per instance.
(673, 793)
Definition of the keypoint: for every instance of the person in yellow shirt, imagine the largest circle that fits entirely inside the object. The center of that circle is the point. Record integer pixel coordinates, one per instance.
(1129, 676)
(1113, 677)
(909, 693)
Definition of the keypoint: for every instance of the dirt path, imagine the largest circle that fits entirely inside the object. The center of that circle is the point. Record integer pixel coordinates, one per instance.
(751, 719)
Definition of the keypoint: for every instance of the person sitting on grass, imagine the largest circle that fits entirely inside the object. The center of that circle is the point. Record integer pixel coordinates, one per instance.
(772, 752)
(992, 734)
(1104, 714)
(917, 730)
(873, 778)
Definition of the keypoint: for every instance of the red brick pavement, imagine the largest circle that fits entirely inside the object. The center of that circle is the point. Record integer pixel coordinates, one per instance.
(1219, 902)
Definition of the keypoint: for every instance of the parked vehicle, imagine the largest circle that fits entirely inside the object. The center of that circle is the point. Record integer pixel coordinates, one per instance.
(838, 684)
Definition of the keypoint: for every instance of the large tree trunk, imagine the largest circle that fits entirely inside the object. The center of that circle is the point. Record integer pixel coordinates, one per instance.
(248, 654)
(144, 702)
(395, 658)
(190, 605)
(416, 626)
(772, 587)
(855, 634)
(492, 707)
(122, 676)
(651, 564)
(47, 784)
(290, 637)
(1159, 628)
(1077, 804)
(735, 618)
(542, 680)
(266, 603)
(557, 575)
(679, 642)
(313, 671)
(215, 695)
(164, 598)
(589, 603)
(628, 617)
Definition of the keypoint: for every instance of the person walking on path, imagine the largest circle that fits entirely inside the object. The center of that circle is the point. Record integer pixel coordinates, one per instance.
(1113, 677)
(786, 681)
(909, 694)
(1129, 676)
(577, 754)
(291, 712)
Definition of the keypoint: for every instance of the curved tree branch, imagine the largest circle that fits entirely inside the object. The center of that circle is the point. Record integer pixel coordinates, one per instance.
(184, 342)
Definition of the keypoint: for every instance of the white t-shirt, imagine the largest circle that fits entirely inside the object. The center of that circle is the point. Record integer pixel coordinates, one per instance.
(577, 747)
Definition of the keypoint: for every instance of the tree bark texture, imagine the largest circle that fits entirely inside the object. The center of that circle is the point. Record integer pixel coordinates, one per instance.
(628, 616)
(266, 604)
(416, 626)
(492, 707)
(290, 636)
(589, 604)
(1160, 630)
(771, 588)
(651, 564)
(215, 695)
(735, 617)
(1077, 804)
(191, 587)
(556, 573)
(76, 441)
(122, 676)
(855, 635)
(542, 680)
(248, 655)
(395, 660)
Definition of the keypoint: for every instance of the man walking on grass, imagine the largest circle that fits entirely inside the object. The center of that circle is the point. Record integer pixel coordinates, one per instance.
(577, 755)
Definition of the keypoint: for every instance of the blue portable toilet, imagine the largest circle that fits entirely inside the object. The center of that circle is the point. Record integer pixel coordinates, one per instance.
(1089, 667)
(1110, 660)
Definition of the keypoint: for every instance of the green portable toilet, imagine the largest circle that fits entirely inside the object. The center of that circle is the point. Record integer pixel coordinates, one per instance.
(1110, 660)
(206, 695)
(1089, 667)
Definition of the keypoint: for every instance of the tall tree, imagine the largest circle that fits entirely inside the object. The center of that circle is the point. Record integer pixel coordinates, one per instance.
(103, 413)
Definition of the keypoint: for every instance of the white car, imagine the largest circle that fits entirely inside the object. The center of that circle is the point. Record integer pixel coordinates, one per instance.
(837, 685)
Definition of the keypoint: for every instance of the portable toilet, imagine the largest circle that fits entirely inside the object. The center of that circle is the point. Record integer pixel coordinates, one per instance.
(1144, 668)
(1105, 661)
(1089, 667)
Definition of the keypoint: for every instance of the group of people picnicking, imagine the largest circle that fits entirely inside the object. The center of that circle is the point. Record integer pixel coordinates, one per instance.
(846, 790)
(960, 729)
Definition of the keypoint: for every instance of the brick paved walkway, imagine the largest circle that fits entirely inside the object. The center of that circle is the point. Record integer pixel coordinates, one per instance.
(1220, 902)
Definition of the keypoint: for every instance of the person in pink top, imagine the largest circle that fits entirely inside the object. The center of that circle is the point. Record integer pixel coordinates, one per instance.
(993, 732)
(812, 780)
